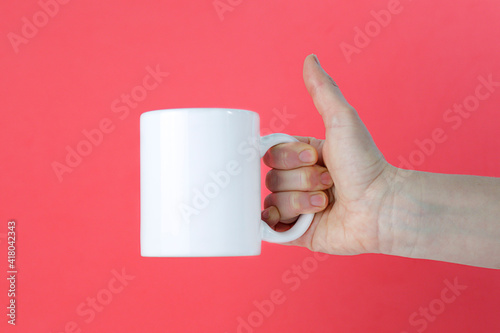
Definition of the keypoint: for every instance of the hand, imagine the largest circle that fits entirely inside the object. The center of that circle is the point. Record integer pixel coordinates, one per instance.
(343, 179)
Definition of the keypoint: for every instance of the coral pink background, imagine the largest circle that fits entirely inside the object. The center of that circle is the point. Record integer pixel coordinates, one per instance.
(76, 233)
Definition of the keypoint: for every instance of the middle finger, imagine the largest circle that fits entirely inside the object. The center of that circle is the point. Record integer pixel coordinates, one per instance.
(309, 178)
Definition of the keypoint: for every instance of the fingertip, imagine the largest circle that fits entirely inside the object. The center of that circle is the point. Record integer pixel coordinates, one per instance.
(318, 199)
(308, 156)
(326, 178)
(271, 215)
(265, 214)
(312, 58)
(316, 60)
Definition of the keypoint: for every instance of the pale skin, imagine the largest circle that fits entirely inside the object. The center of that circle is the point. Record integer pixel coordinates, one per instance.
(363, 204)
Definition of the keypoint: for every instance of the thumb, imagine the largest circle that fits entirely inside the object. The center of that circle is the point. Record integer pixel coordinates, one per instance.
(326, 95)
(349, 146)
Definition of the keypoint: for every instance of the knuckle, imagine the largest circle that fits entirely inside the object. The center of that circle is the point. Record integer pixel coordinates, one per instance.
(306, 179)
(342, 117)
(294, 201)
(283, 158)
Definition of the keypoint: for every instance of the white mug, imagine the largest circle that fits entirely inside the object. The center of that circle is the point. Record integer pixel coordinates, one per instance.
(200, 184)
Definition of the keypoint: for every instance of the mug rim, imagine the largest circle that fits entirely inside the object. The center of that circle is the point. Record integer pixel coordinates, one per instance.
(199, 110)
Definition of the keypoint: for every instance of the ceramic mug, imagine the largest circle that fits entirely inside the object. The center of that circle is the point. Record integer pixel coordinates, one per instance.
(200, 184)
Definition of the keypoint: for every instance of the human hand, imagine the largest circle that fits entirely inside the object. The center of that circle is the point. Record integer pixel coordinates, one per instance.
(342, 179)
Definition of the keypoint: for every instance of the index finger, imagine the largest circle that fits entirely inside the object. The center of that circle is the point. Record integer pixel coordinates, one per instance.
(316, 143)
(290, 155)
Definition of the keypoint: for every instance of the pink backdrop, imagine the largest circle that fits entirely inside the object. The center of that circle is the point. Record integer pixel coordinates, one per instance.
(77, 69)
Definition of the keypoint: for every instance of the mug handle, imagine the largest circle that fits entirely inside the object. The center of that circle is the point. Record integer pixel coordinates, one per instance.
(304, 221)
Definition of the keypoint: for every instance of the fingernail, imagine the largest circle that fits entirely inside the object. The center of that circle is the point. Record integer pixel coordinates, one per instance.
(325, 178)
(306, 156)
(265, 214)
(316, 59)
(317, 200)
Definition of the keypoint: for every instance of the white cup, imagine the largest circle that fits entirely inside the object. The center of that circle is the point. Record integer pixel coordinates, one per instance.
(200, 184)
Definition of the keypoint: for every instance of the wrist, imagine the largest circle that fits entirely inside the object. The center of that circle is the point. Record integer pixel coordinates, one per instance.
(400, 213)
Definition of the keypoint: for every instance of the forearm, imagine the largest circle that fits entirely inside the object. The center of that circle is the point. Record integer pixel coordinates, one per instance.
(454, 218)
